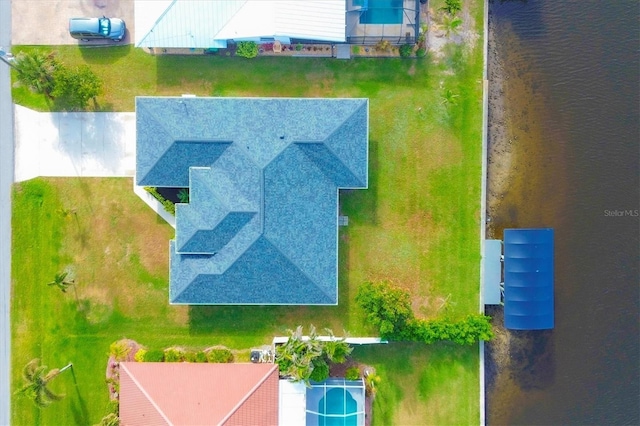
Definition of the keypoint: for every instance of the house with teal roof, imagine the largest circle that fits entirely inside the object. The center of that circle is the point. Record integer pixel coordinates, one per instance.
(264, 174)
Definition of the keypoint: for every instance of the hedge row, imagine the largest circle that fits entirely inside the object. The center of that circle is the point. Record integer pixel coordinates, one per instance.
(388, 307)
(168, 205)
(217, 355)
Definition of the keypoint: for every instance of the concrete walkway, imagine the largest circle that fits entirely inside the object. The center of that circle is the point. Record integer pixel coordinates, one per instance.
(6, 180)
(78, 144)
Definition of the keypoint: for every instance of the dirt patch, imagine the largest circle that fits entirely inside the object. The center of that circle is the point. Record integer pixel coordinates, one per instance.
(440, 33)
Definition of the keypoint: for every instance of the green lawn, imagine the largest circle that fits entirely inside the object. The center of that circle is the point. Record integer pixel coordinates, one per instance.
(417, 225)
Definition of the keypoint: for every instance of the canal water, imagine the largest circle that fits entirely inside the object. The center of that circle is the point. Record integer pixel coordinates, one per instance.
(564, 145)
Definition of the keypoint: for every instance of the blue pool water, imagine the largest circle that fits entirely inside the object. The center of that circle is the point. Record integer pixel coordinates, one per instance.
(334, 403)
(381, 11)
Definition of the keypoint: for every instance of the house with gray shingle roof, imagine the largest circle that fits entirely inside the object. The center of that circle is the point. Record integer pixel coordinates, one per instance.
(264, 174)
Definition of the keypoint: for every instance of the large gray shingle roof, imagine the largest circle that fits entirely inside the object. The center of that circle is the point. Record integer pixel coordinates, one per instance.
(264, 174)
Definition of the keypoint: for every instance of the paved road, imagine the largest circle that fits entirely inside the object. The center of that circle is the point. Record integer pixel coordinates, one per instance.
(6, 179)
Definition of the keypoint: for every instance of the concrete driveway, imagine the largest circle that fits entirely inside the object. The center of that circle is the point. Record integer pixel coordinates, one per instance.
(78, 144)
(46, 22)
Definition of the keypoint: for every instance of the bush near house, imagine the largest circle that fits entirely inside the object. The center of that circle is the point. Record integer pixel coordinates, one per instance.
(219, 355)
(320, 371)
(168, 205)
(304, 359)
(406, 50)
(154, 355)
(139, 357)
(247, 49)
(352, 373)
(174, 355)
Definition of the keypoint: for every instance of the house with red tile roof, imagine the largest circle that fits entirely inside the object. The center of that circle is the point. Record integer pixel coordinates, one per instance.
(198, 394)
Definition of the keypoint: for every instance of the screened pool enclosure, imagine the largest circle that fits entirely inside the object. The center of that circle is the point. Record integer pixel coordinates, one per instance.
(336, 402)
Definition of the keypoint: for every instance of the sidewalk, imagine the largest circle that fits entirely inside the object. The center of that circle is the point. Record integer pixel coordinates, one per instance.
(79, 144)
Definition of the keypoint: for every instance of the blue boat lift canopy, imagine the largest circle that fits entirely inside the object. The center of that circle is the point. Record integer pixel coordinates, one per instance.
(528, 279)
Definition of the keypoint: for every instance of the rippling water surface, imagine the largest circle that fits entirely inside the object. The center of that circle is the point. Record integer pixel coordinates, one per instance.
(564, 142)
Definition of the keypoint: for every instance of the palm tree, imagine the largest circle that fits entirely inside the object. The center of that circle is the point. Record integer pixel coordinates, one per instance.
(451, 24)
(452, 6)
(449, 97)
(336, 350)
(61, 281)
(36, 71)
(295, 357)
(183, 195)
(36, 383)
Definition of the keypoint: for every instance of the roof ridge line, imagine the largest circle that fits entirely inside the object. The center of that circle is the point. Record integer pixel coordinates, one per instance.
(248, 394)
(323, 142)
(155, 24)
(333, 153)
(230, 19)
(296, 266)
(259, 235)
(144, 392)
(161, 125)
(340, 127)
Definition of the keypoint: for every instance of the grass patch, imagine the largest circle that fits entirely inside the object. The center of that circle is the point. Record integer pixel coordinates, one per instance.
(418, 382)
(417, 225)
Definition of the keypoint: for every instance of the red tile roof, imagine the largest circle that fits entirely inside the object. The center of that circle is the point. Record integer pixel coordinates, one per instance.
(198, 394)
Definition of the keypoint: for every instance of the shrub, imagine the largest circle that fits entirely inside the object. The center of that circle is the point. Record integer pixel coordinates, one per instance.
(139, 357)
(352, 373)
(267, 47)
(406, 50)
(452, 6)
(119, 350)
(173, 355)
(113, 384)
(220, 355)
(110, 419)
(247, 49)
(371, 382)
(183, 195)
(320, 371)
(421, 53)
(201, 357)
(304, 359)
(76, 85)
(190, 356)
(299, 47)
(355, 50)
(168, 205)
(383, 45)
(154, 355)
(387, 306)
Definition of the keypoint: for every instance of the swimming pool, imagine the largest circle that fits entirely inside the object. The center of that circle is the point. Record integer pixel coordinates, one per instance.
(335, 402)
(381, 11)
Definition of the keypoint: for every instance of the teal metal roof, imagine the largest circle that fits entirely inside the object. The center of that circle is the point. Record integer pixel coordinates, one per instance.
(261, 224)
(209, 24)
